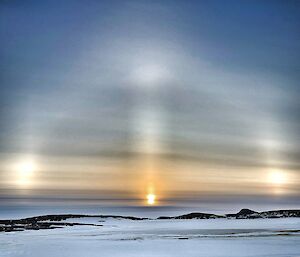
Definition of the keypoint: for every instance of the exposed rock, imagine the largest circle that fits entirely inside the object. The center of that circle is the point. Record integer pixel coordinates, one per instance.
(54, 221)
(242, 214)
(120, 217)
(193, 215)
(280, 214)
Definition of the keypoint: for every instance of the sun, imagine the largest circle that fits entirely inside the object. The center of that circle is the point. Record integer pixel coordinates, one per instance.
(151, 199)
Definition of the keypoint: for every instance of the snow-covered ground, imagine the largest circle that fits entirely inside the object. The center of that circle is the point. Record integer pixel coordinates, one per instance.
(159, 238)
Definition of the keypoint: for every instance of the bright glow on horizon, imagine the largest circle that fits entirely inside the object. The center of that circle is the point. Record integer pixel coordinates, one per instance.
(151, 199)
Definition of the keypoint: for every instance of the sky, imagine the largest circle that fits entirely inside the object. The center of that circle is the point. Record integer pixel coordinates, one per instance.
(150, 103)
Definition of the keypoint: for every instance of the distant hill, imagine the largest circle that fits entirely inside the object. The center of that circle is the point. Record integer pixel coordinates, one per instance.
(55, 221)
(193, 215)
(242, 214)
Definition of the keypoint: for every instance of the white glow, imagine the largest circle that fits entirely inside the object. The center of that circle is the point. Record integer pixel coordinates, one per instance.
(24, 173)
(277, 177)
(149, 75)
(149, 128)
(270, 144)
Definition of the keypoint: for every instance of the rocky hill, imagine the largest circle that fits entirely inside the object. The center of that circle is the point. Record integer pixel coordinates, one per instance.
(193, 215)
(59, 221)
(242, 214)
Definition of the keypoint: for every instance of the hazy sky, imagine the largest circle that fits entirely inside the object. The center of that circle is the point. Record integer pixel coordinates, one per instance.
(190, 101)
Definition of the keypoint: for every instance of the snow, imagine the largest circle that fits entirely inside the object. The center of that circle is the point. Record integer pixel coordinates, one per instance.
(159, 238)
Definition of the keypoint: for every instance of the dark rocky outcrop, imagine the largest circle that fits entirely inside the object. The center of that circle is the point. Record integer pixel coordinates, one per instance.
(193, 215)
(280, 214)
(52, 222)
(242, 214)
(249, 214)
(55, 221)
(121, 217)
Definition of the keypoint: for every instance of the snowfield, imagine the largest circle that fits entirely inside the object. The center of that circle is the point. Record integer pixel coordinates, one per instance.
(159, 238)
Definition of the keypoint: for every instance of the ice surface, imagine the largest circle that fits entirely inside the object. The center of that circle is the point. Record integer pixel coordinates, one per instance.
(162, 238)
